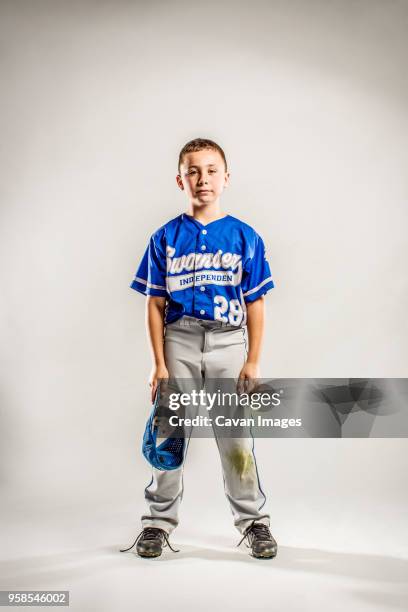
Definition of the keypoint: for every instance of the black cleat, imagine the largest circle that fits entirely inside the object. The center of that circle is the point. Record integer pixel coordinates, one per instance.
(261, 541)
(150, 542)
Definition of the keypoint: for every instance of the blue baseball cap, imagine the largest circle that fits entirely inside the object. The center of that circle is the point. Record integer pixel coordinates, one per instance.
(169, 455)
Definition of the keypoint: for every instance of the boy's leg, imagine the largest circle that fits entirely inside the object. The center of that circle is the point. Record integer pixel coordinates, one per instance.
(241, 481)
(224, 357)
(183, 353)
(163, 496)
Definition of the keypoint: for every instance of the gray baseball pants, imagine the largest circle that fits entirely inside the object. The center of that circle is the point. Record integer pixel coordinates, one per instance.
(199, 349)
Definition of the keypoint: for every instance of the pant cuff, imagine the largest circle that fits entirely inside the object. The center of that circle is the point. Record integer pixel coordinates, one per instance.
(160, 524)
(242, 525)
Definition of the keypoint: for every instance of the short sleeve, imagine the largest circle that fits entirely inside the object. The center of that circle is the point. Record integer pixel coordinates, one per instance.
(257, 277)
(150, 278)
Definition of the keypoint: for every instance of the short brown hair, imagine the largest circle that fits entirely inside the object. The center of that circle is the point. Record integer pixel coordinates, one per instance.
(200, 144)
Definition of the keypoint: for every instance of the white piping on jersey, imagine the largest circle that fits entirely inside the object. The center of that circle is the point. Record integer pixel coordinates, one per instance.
(258, 287)
(243, 306)
(150, 285)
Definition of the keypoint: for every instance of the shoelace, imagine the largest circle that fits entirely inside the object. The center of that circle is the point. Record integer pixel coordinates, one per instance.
(150, 533)
(258, 529)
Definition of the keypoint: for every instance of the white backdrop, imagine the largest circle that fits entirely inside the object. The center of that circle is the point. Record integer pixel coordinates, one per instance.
(309, 102)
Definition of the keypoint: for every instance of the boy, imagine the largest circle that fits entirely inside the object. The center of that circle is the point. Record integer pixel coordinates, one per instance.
(197, 322)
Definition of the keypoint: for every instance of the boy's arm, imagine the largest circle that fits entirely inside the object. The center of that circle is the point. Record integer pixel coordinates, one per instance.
(155, 309)
(255, 326)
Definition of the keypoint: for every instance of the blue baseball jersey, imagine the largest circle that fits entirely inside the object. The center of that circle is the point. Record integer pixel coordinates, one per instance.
(205, 271)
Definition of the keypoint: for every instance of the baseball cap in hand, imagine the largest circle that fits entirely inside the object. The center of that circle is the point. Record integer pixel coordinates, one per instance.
(169, 454)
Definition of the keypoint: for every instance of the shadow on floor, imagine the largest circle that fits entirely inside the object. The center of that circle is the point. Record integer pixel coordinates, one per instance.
(87, 562)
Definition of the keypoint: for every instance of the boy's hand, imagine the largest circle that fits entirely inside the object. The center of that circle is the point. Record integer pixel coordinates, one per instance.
(248, 376)
(157, 373)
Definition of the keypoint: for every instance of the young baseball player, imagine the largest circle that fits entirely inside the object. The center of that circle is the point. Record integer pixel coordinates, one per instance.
(199, 323)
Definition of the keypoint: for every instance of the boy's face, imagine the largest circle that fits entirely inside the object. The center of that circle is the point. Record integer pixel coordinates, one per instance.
(202, 176)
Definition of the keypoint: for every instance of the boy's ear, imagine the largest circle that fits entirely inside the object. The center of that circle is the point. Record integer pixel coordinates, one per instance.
(179, 182)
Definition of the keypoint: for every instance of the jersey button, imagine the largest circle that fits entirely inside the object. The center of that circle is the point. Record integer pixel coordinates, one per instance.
(202, 311)
(204, 232)
(202, 288)
(203, 247)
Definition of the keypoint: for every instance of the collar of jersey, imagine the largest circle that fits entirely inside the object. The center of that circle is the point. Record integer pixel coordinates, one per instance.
(190, 219)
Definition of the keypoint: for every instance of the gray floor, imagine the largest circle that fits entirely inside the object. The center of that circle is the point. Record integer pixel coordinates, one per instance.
(208, 573)
(338, 512)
